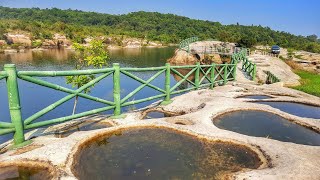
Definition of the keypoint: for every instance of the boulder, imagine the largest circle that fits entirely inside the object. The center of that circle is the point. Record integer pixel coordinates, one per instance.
(17, 39)
(207, 46)
(131, 43)
(3, 43)
(88, 40)
(182, 58)
(108, 40)
(48, 43)
(154, 44)
(61, 40)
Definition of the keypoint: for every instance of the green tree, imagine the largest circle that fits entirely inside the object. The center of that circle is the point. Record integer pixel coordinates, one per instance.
(94, 56)
(168, 28)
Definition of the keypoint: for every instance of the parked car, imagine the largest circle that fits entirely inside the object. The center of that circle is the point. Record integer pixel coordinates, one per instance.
(275, 49)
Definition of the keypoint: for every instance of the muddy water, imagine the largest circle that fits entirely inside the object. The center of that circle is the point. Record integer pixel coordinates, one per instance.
(17, 173)
(160, 154)
(264, 124)
(297, 109)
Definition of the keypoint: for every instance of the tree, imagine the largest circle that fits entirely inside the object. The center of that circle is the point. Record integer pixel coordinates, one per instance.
(247, 41)
(168, 28)
(94, 56)
(312, 38)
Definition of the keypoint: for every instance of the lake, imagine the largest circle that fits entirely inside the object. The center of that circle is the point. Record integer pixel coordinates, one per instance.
(34, 97)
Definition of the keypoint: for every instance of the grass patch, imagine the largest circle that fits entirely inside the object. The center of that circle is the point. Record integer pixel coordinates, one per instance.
(310, 82)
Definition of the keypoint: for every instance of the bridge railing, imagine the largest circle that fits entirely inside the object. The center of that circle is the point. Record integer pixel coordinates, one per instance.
(185, 44)
(197, 76)
(271, 78)
(247, 66)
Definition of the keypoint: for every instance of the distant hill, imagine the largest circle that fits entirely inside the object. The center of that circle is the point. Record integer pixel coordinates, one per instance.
(167, 28)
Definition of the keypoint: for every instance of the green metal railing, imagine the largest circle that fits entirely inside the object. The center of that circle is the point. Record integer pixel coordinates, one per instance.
(185, 44)
(247, 66)
(202, 76)
(271, 78)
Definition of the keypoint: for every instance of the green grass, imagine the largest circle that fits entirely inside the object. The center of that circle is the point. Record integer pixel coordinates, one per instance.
(310, 82)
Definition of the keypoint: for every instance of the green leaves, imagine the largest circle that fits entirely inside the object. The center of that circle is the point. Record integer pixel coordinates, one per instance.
(92, 55)
(78, 81)
(167, 28)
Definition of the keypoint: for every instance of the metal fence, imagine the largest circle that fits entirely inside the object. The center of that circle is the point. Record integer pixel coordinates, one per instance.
(247, 66)
(184, 45)
(202, 76)
(271, 78)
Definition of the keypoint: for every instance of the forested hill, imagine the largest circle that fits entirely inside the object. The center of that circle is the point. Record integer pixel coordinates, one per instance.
(168, 28)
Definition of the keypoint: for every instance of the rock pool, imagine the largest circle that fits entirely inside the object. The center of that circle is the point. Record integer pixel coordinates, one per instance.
(301, 110)
(265, 124)
(154, 153)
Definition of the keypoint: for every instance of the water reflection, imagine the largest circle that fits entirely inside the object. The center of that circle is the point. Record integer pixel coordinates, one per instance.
(36, 58)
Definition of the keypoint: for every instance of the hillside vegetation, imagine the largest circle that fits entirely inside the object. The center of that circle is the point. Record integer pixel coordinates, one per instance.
(167, 28)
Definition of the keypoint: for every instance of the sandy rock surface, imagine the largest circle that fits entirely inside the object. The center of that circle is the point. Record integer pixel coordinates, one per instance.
(277, 67)
(22, 39)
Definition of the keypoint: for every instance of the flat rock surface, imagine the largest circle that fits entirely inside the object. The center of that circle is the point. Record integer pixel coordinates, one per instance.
(277, 67)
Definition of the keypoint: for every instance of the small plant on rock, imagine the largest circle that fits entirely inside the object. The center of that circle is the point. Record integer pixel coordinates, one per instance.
(94, 56)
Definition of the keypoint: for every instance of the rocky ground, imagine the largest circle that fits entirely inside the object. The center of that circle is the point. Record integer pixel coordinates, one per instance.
(301, 59)
(276, 66)
(281, 160)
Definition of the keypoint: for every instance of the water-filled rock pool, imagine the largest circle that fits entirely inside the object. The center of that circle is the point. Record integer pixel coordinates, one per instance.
(156, 153)
(297, 109)
(265, 124)
(257, 97)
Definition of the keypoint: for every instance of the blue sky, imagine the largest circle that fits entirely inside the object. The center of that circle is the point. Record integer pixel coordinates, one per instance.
(295, 16)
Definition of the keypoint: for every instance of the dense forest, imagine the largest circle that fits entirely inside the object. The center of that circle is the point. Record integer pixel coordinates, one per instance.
(167, 28)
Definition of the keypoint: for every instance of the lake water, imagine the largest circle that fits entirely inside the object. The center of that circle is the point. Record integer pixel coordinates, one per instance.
(34, 97)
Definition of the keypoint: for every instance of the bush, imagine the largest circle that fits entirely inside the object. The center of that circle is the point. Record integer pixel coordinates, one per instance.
(36, 44)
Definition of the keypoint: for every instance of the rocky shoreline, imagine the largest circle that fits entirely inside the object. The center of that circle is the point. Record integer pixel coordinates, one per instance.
(19, 43)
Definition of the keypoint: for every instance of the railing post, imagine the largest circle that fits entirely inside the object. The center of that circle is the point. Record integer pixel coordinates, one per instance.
(14, 104)
(197, 76)
(213, 67)
(234, 73)
(116, 92)
(167, 99)
(254, 72)
(225, 74)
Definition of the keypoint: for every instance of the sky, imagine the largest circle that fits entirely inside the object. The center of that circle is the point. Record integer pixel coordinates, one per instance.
(299, 17)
